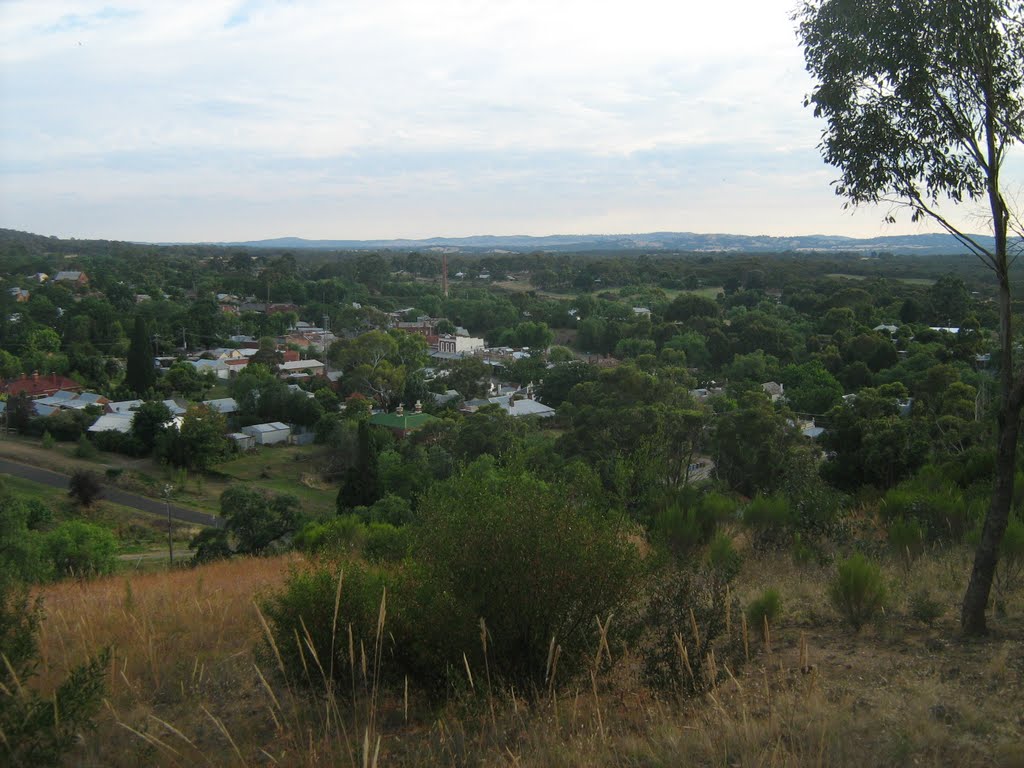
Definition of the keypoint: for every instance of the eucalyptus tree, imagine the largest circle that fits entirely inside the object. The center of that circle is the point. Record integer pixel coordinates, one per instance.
(923, 100)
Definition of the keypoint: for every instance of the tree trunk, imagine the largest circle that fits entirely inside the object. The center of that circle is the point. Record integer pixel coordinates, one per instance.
(972, 616)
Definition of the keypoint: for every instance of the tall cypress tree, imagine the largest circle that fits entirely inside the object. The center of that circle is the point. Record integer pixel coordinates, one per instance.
(361, 484)
(141, 374)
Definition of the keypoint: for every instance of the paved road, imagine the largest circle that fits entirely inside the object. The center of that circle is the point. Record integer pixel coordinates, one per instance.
(116, 495)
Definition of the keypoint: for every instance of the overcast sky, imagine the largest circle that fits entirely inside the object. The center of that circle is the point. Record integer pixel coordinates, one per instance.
(226, 120)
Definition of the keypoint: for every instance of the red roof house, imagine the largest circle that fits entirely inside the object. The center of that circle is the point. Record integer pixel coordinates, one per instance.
(39, 386)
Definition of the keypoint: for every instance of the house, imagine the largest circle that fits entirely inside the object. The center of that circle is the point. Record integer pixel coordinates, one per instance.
(401, 423)
(20, 295)
(223, 405)
(270, 433)
(310, 367)
(458, 345)
(518, 406)
(72, 401)
(113, 422)
(641, 311)
(774, 390)
(71, 276)
(124, 406)
(39, 386)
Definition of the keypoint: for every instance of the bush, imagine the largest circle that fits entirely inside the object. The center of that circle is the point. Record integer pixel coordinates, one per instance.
(535, 561)
(771, 520)
(48, 440)
(764, 608)
(303, 614)
(341, 535)
(690, 523)
(80, 549)
(923, 607)
(1010, 568)
(857, 591)
(385, 543)
(667, 629)
(723, 557)
(906, 539)
(84, 487)
(38, 731)
(85, 449)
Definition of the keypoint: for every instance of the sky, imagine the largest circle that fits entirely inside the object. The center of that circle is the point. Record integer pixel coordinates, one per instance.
(224, 120)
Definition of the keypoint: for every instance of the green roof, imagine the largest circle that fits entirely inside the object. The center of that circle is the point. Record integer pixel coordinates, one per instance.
(406, 422)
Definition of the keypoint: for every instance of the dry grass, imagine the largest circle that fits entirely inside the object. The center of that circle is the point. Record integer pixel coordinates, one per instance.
(184, 687)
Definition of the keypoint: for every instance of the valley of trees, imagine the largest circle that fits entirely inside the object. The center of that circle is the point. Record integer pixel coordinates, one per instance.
(714, 412)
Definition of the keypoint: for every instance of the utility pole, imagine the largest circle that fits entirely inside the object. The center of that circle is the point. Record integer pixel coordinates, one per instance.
(167, 506)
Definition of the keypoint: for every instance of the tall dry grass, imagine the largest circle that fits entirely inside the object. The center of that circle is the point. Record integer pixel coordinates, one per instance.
(186, 688)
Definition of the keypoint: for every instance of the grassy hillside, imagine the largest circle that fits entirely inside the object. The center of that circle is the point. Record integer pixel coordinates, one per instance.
(190, 683)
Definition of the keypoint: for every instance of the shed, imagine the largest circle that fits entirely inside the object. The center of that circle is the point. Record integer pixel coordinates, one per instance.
(269, 433)
(242, 441)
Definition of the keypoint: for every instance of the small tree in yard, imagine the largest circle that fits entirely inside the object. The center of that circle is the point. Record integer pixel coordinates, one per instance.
(923, 99)
(84, 487)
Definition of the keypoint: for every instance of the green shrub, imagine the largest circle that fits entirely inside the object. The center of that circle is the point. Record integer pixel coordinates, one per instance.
(78, 548)
(340, 535)
(764, 608)
(302, 614)
(84, 449)
(803, 554)
(38, 731)
(723, 557)
(1010, 568)
(906, 539)
(48, 440)
(666, 629)
(857, 591)
(535, 560)
(690, 522)
(923, 607)
(771, 520)
(385, 543)
(84, 487)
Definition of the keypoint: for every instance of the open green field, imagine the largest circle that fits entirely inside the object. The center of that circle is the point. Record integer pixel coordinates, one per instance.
(922, 281)
(285, 469)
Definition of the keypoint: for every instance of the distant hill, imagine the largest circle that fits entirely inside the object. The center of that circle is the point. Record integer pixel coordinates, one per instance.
(925, 245)
(690, 242)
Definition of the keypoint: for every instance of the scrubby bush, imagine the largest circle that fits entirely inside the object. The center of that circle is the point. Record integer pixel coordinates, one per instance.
(1010, 568)
(906, 539)
(675, 658)
(345, 534)
(857, 591)
(723, 557)
(764, 609)
(536, 561)
(923, 607)
(385, 543)
(84, 487)
(80, 549)
(38, 731)
(313, 616)
(84, 449)
(49, 441)
(771, 521)
(690, 522)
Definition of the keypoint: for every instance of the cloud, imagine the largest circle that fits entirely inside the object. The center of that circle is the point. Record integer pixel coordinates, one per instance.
(393, 117)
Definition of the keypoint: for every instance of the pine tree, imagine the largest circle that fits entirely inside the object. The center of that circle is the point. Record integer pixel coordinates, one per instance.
(141, 374)
(361, 484)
